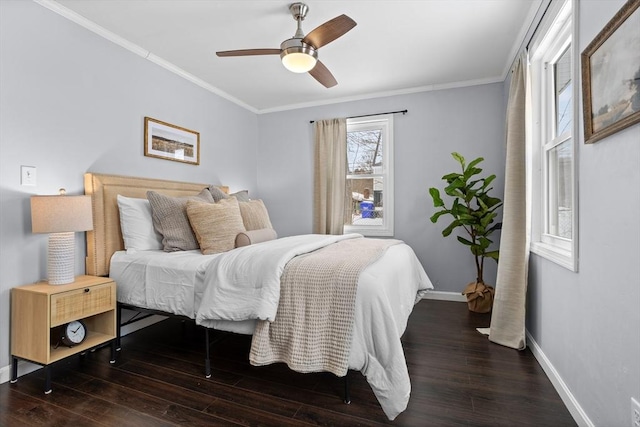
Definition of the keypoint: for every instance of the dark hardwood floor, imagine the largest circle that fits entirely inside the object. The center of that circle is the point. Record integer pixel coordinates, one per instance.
(458, 378)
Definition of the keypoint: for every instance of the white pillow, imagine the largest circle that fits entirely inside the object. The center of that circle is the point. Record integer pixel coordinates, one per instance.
(136, 225)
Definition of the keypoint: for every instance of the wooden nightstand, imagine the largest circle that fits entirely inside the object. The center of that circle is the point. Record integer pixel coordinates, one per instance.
(37, 308)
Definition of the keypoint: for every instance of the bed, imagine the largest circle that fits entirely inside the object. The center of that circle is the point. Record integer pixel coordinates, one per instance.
(206, 287)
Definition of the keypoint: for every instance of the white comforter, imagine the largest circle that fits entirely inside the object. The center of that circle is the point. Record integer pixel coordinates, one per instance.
(245, 284)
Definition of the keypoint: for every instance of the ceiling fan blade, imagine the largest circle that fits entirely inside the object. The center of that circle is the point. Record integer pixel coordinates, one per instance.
(249, 52)
(323, 75)
(329, 31)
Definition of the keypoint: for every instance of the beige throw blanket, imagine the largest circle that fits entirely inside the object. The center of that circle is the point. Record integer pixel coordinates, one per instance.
(313, 326)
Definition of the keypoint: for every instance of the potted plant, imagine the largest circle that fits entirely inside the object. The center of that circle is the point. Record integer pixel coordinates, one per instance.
(474, 211)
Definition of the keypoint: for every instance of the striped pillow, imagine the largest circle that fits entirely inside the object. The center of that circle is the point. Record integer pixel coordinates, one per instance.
(170, 219)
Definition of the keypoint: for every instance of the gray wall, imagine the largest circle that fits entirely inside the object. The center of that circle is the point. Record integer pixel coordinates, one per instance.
(74, 102)
(468, 120)
(587, 323)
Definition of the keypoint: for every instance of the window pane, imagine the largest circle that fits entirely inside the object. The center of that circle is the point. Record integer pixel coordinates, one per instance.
(366, 202)
(364, 151)
(563, 93)
(560, 190)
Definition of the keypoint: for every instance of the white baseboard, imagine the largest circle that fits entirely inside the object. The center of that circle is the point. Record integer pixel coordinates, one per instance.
(576, 411)
(445, 296)
(25, 367)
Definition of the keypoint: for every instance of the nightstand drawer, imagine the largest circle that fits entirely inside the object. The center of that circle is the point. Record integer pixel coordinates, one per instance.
(81, 303)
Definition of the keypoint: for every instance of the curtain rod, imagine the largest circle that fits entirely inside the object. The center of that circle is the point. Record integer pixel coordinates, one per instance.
(528, 36)
(376, 114)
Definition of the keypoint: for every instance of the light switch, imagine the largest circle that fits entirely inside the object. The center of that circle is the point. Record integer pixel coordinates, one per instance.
(28, 175)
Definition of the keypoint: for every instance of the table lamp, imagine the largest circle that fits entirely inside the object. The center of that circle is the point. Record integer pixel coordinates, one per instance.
(61, 216)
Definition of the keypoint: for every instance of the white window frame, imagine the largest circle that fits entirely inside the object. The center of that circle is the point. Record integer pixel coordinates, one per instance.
(557, 32)
(386, 123)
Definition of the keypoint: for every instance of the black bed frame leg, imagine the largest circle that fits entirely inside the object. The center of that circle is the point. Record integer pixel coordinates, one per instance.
(347, 395)
(14, 369)
(118, 346)
(207, 361)
(47, 379)
(112, 360)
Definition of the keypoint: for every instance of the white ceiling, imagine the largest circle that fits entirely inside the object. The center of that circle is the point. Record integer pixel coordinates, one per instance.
(397, 46)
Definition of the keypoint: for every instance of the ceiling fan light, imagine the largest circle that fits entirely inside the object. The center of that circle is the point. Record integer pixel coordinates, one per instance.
(297, 56)
(299, 62)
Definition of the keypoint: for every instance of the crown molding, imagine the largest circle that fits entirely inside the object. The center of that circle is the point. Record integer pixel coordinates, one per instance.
(418, 89)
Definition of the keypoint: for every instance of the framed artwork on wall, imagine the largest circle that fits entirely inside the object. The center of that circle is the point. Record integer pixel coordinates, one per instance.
(611, 76)
(166, 141)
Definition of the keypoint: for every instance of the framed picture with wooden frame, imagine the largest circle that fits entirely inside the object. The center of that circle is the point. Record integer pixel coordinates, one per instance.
(611, 76)
(170, 142)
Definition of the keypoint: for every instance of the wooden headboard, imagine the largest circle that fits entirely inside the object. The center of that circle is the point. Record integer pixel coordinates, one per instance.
(106, 237)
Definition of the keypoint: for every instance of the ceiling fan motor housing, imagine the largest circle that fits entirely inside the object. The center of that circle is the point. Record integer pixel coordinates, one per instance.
(299, 11)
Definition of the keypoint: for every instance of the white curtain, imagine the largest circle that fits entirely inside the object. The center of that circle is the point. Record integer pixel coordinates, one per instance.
(330, 168)
(509, 309)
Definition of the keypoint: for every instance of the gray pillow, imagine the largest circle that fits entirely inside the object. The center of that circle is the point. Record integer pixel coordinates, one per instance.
(217, 193)
(242, 195)
(170, 220)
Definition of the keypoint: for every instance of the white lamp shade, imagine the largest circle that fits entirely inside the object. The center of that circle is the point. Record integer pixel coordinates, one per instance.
(299, 62)
(59, 214)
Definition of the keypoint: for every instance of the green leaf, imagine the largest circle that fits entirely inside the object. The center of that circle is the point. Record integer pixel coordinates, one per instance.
(471, 171)
(455, 208)
(435, 195)
(459, 158)
(475, 162)
(460, 209)
(451, 176)
(487, 219)
(488, 180)
(484, 242)
(456, 183)
(435, 216)
(481, 203)
(473, 183)
(492, 201)
(447, 231)
(470, 195)
(493, 255)
(465, 241)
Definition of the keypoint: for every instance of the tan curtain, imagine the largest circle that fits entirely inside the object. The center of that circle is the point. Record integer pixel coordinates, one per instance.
(330, 168)
(508, 315)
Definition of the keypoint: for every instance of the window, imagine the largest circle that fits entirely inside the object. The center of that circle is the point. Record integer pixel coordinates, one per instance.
(553, 180)
(369, 190)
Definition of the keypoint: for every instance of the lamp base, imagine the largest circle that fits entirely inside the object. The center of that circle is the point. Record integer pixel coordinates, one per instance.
(60, 261)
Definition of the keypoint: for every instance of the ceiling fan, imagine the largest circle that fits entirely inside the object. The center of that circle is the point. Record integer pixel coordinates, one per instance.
(300, 53)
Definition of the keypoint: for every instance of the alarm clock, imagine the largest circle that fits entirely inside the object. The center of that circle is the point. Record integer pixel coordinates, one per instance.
(73, 333)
